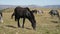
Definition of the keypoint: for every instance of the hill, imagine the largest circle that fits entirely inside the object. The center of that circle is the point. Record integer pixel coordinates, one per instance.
(52, 6)
(30, 6)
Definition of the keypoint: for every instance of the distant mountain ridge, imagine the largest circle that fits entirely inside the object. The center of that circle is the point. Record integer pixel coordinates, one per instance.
(52, 6)
(6, 6)
(31, 6)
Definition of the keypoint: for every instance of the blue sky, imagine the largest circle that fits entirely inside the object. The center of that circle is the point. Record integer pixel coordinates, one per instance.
(30, 2)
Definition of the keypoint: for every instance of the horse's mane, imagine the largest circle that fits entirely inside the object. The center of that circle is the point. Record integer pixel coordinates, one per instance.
(27, 8)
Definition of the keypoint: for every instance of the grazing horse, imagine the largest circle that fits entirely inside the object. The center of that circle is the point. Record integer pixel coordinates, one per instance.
(54, 12)
(1, 19)
(24, 13)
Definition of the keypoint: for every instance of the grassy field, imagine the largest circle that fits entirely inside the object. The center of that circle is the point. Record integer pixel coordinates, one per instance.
(45, 24)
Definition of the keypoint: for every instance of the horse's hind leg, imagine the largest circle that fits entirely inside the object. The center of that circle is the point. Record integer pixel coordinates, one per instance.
(23, 22)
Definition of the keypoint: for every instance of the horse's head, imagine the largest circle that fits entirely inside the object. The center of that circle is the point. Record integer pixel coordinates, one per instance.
(32, 19)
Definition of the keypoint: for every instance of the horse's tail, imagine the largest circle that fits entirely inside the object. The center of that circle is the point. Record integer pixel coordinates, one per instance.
(12, 15)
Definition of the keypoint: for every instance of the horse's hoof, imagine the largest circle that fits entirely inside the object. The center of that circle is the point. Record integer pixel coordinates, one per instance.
(18, 26)
(34, 29)
(22, 27)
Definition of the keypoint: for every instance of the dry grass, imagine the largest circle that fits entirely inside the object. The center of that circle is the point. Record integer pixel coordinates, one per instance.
(45, 24)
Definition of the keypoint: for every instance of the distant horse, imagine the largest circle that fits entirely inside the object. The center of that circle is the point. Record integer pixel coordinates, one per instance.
(40, 12)
(54, 12)
(24, 13)
(34, 11)
(1, 17)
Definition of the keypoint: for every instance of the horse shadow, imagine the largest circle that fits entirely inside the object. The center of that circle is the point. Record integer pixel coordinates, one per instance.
(28, 28)
(10, 26)
(16, 27)
(54, 21)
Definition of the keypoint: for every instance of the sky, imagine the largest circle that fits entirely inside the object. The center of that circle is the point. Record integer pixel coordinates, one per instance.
(30, 2)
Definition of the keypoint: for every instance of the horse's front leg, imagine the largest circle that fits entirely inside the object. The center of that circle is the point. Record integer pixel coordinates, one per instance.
(23, 22)
(18, 23)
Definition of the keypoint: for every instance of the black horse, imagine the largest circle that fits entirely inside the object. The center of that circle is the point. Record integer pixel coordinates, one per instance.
(54, 12)
(24, 13)
(1, 16)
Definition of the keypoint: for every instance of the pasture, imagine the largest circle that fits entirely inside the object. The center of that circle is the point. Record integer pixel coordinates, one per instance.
(45, 24)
